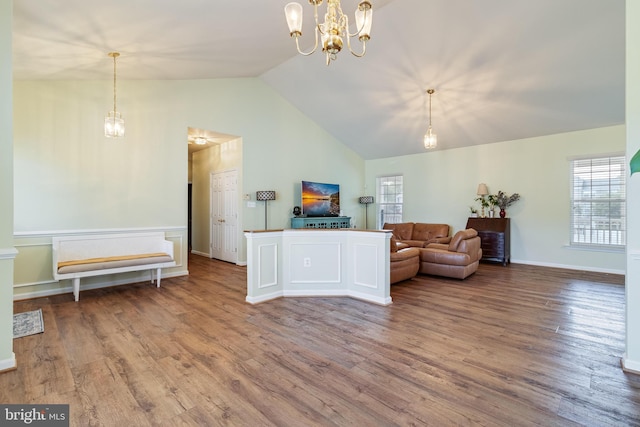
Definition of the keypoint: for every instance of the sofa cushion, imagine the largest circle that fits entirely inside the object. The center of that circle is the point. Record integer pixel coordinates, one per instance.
(402, 231)
(428, 232)
(405, 254)
(402, 245)
(414, 243)
(443, 256)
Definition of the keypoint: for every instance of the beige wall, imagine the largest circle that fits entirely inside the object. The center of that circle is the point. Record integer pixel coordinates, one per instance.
(441, 185)
(7, 359)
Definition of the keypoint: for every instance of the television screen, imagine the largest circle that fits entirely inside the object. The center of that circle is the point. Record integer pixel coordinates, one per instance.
(320, 199)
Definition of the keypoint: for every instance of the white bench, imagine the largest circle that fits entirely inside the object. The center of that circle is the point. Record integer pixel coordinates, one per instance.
(75, 257)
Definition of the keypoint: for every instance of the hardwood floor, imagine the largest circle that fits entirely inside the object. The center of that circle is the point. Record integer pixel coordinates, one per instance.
(509, 346)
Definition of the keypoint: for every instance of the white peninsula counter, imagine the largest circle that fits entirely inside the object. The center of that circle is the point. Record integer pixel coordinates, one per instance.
(318, 262)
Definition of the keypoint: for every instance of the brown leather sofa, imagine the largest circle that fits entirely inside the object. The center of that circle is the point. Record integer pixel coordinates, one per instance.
(418, 234)
(403, 263)
(458, 259)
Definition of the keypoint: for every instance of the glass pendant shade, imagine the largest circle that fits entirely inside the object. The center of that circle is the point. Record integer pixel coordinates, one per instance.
(293, 13)
(113, 125)
(364, 18)
(430, 139)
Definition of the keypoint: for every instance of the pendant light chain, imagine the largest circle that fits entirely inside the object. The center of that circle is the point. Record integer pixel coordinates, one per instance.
(430, 93)
(114, 55)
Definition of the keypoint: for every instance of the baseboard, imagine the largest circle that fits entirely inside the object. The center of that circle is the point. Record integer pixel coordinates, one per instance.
(319, 293)
(570, 267)
(630, 366)
(204, 254)
(263, 298)
(8, 364)
(69, 289)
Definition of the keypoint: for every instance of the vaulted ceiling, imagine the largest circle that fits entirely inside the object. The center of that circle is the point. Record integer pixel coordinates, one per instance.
(502, 69)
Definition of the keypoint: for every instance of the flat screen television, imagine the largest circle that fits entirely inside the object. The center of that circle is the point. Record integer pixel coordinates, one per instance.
(319, 199)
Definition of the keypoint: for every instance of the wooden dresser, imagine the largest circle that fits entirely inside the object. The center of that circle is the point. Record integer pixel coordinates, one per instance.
(495, 236)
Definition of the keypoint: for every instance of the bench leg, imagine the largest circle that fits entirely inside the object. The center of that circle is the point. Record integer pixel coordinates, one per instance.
(76, 288)
(158, 277)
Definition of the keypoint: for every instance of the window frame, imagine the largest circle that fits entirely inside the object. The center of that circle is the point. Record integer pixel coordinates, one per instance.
(598, 232)
(381, 196)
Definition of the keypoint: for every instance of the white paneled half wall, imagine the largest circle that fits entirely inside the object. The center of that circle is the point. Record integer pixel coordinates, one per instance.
(318, 262)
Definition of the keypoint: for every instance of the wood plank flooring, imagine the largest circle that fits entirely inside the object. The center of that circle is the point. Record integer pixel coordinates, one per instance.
(509, 346)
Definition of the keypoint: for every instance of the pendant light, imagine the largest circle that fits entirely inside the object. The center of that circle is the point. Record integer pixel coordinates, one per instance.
(113, 122)
(430, 138)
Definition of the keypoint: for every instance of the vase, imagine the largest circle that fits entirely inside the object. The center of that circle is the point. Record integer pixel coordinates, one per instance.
(503, 213)
(491, 213)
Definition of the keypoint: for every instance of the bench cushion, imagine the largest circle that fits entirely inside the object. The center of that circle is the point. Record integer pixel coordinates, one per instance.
(93, 264)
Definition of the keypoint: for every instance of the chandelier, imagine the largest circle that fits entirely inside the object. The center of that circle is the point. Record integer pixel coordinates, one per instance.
(334, 29)
(114, 123)
(430, 138)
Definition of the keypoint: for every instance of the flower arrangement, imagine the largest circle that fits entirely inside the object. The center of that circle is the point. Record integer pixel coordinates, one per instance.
(492, 200)
(503, 201)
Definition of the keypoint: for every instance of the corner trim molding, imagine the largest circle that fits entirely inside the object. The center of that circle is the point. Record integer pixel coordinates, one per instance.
(630, 366)
(7, 365)
(8, 253)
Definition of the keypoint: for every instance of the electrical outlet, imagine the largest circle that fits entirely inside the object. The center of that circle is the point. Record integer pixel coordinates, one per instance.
(306, 262)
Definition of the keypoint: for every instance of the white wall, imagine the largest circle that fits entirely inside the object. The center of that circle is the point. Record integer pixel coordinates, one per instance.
(7, 358)
(70, 177)
(441, 185)
(632, 356)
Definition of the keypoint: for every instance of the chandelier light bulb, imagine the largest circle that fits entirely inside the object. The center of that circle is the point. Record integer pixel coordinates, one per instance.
(332, 33)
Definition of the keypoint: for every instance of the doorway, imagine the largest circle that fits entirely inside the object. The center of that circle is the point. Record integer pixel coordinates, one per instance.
(215, 162)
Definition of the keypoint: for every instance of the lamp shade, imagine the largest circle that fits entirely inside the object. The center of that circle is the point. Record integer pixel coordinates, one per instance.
(482, 190)
(293, 13)
(365, 200)
(364, 18)
(113, 125)
(265, 195)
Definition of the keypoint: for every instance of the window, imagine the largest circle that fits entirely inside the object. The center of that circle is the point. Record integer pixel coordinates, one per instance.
(390, 199)
(598, 201)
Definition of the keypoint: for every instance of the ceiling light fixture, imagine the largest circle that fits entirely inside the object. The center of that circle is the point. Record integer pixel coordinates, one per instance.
(430, 138)
(114, 123)
(200, 140)
(334, 28)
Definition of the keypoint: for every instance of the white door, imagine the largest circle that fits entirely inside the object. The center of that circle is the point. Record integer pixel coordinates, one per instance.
(224, 216)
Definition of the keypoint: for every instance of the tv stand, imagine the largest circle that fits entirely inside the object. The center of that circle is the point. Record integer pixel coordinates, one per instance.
(321, 222)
